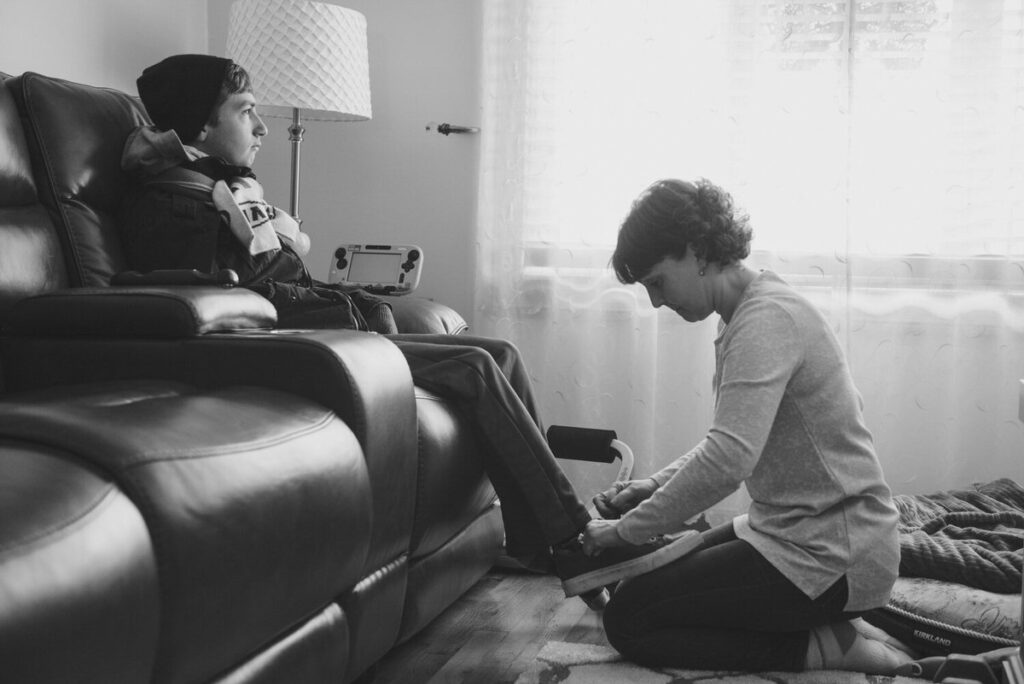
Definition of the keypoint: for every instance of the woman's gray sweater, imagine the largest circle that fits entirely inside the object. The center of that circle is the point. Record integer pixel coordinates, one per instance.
(788, 423)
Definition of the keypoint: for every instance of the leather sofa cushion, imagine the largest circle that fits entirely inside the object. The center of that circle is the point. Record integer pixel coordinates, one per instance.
(439, 578)
(316, 651)
(257, 502)
(361, 377)
(30, 253)
(78, 581)
(420, 315)
(453, 489)
(75, 136)
(16, 185)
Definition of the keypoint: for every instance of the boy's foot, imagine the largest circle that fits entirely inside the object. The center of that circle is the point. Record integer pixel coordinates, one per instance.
(580, 573)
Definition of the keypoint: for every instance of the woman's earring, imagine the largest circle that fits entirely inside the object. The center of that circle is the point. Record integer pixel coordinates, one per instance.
(701, 272)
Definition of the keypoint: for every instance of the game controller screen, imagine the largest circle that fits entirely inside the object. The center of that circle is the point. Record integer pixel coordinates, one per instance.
(374, 268)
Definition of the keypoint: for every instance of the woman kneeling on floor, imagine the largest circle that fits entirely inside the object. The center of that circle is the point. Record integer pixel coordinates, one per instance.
(782, 586)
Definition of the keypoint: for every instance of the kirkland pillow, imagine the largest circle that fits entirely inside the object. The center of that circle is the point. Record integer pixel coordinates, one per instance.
(938, 618)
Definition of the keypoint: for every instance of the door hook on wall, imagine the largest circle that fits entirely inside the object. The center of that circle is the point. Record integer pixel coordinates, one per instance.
(446, 128)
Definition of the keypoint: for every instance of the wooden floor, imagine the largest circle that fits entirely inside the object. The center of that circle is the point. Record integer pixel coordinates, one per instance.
(491, 634)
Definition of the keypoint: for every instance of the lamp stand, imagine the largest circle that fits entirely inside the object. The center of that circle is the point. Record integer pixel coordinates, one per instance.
(295, 132)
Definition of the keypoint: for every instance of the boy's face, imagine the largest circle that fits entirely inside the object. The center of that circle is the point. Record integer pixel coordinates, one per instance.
(235, 137)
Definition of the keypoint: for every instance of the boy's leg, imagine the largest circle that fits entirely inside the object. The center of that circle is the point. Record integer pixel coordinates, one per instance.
(540, 509)
(539, 506)
(505, 355)
(721, 607)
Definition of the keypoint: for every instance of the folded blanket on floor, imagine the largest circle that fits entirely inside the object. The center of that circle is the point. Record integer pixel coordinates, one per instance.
(973, 537)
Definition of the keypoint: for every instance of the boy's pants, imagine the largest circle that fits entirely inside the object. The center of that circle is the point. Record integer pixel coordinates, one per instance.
(488, 380)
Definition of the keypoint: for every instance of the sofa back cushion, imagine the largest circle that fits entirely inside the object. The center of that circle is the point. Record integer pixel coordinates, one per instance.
(31, 261)
(75, 134)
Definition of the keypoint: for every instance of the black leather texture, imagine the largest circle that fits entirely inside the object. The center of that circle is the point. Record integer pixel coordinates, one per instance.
(75, 134)
(453, 488)
(167, 312)
(250, 491)
(77, 572)
(316, 651)
(31, 259)
(421, 315)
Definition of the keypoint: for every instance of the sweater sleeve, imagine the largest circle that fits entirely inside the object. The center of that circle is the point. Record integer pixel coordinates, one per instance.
(759, 352)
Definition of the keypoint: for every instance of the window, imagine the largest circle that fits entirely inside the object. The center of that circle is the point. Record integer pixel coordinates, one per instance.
(890, 127)
(879, 149)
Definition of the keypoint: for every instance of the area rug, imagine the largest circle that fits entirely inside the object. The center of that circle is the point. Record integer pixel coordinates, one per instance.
(559, 661)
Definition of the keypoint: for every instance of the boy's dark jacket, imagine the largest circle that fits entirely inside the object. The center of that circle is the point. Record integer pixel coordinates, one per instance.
(170, 222)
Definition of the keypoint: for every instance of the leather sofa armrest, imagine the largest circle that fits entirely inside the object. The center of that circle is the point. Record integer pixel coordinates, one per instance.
(162, 312)
(420, 315)
(362, 377)
(176, 276)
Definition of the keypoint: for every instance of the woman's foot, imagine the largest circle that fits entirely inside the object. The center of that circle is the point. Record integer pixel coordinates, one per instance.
(855, 648)
(869, 631)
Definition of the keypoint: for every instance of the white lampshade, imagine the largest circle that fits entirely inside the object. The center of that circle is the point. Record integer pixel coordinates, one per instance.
(309, 56)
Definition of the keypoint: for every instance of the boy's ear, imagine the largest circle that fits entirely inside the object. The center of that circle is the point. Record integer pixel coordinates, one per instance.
(203, 133)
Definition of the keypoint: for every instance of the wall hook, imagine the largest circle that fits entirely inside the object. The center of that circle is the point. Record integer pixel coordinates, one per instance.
(447, 128)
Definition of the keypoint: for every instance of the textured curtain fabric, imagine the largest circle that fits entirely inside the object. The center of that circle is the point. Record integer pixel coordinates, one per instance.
(879, 149)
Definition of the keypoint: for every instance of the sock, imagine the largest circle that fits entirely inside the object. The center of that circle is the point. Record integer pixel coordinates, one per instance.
(869, 631)
(841, 646)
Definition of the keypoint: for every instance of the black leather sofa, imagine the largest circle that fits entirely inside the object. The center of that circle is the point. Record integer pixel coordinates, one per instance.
(186, 493)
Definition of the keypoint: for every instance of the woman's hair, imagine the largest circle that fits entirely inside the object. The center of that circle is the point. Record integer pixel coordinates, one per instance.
(671, 216)
(236, 80)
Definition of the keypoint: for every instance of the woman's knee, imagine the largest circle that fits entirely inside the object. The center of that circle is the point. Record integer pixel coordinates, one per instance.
(621, 625)
(615, 624)
(628, 633)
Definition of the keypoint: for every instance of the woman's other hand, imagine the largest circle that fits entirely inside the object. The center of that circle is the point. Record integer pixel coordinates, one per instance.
(623, 496)
(599, 535)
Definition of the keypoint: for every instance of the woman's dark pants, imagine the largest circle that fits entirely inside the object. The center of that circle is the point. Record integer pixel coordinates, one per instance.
(723, 607)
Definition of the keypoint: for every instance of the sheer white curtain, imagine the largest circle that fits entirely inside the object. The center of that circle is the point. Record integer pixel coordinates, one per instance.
(879, 149)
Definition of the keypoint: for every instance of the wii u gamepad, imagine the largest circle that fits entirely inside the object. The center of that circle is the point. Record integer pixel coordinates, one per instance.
(380, 269)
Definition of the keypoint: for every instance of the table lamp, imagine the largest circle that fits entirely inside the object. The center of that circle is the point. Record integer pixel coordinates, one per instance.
(307, 60)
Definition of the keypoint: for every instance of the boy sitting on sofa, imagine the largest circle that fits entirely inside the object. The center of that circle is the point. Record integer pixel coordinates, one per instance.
(198, 205)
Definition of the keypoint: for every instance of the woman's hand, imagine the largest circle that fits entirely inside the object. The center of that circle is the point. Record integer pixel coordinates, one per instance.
(599, 535)
(623, 496)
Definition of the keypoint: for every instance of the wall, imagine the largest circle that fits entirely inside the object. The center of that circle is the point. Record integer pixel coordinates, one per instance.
(105, 43)
(388, 179)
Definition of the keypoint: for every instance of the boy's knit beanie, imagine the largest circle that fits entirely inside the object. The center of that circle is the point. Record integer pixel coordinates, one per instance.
(179, 93)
